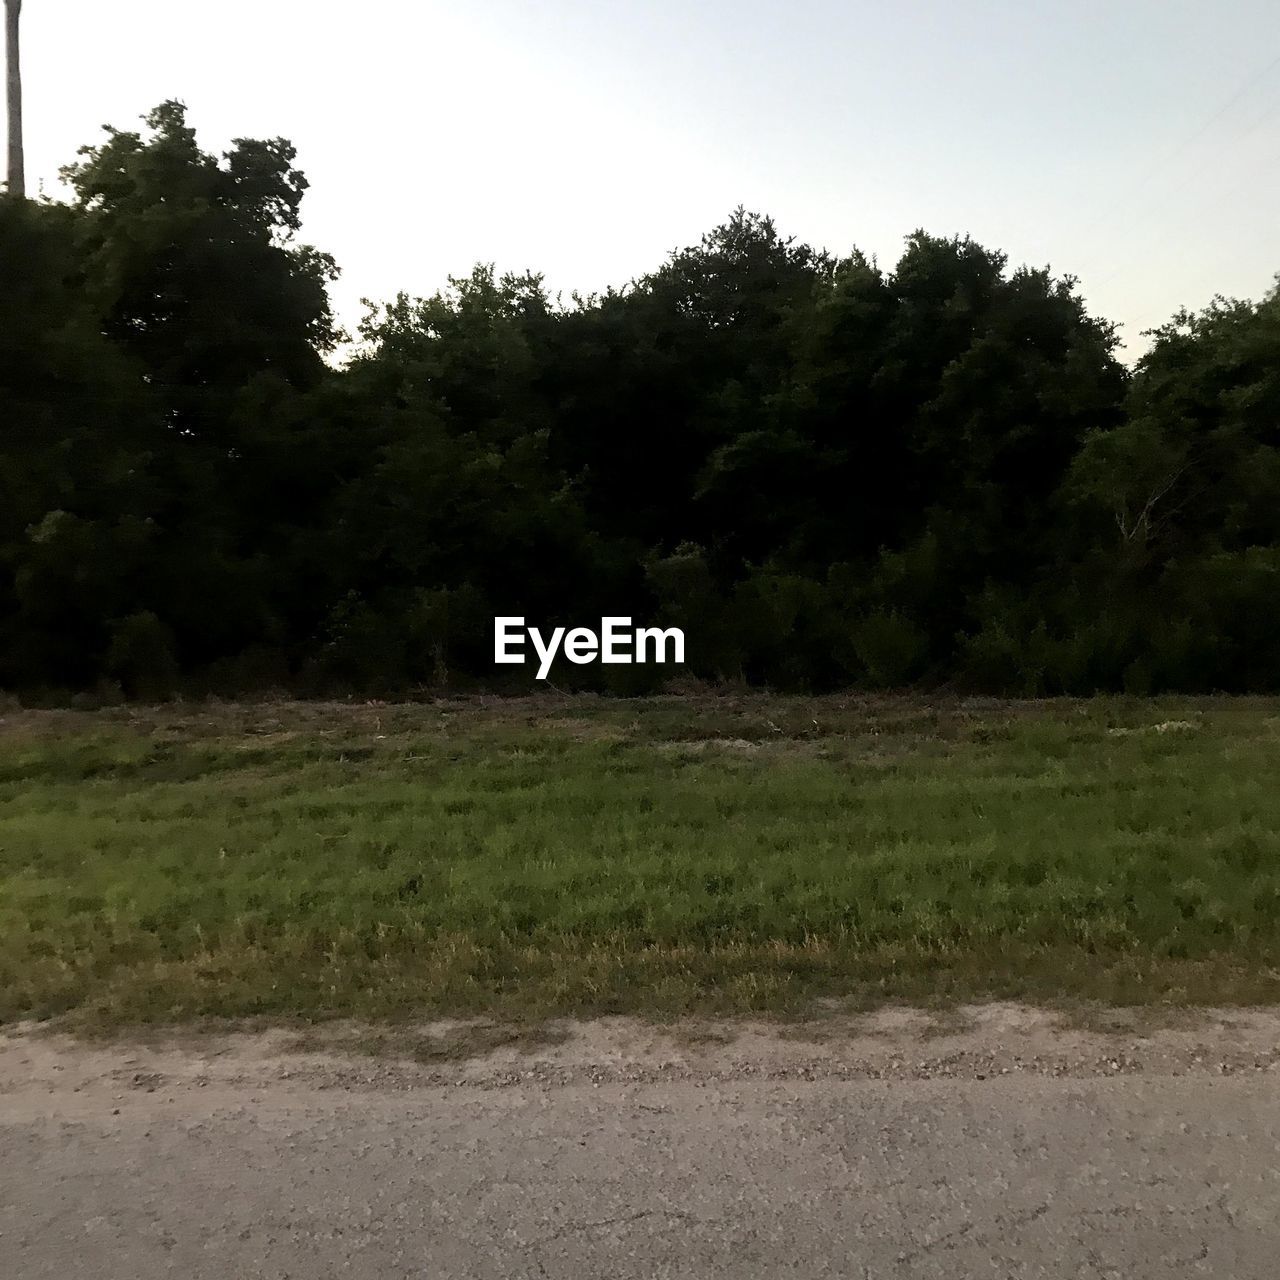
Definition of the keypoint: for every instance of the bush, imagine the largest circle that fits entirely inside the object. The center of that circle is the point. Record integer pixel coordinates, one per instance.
(141, 657)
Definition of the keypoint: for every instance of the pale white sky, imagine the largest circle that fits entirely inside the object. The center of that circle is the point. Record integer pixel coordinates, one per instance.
(1134, 143)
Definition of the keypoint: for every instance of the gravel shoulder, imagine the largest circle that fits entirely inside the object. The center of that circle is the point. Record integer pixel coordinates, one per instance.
(973, 1042)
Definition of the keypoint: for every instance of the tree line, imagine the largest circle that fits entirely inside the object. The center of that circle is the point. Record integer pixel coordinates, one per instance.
(828, 473)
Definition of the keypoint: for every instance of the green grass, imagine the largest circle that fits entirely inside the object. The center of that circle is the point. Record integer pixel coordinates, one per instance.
(527, 858)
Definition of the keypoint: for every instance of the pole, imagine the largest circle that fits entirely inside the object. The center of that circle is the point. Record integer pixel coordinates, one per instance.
(13, 85)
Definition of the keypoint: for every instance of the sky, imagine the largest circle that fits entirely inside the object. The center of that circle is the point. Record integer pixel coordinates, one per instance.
(1134, 144)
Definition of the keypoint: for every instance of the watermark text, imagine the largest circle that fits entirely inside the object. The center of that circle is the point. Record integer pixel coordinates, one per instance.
(616, 642)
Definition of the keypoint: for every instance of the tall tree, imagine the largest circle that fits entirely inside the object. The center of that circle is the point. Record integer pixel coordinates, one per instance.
(78, 431)
(13, 86)
(190, 264)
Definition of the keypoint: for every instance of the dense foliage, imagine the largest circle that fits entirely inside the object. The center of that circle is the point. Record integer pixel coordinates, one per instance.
(827, 472)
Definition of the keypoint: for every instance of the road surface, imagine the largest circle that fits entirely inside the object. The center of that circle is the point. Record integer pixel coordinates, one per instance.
(1006, 1150)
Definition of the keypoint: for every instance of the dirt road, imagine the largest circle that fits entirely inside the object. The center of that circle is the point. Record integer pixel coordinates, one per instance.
(1001, 1146)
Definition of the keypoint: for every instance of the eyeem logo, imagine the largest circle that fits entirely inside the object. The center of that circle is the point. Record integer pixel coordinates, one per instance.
(616, 642)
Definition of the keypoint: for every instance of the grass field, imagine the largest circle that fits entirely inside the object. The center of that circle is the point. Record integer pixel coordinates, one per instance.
(525, 858)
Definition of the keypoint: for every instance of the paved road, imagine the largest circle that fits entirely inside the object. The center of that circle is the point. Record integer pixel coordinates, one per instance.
(1017, 1175)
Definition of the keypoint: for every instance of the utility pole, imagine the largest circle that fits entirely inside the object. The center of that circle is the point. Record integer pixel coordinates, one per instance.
(13, 86)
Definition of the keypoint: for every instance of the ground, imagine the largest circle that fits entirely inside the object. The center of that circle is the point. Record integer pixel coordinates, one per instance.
(681, 986)
(989, 1141)
(526, 859)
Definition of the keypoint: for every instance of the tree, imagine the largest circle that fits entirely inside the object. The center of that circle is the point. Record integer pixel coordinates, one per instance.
(654, 379)
(191, 262)
(825, 471)
(1180, 500)
(907, 448)
(77, 490)
(13, 98)
(451, 509)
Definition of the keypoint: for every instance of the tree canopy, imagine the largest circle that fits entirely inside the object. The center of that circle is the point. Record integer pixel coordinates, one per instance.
(828, 471)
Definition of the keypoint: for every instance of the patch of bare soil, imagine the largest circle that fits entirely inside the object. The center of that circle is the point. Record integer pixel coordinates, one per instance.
(976, 1042)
